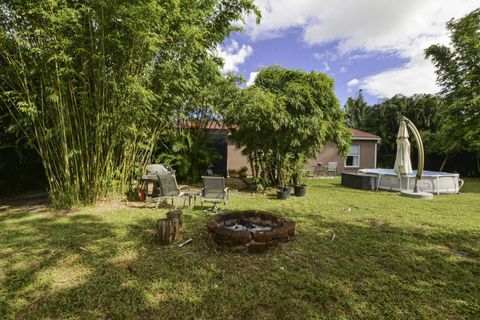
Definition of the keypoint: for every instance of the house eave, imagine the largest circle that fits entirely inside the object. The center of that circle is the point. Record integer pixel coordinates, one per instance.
(366, 139)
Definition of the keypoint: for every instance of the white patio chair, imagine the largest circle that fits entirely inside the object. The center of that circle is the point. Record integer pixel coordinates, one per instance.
(331, 168)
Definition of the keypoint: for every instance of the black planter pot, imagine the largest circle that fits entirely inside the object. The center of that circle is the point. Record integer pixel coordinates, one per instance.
(283, 193)
(300, 190)
(289, 190)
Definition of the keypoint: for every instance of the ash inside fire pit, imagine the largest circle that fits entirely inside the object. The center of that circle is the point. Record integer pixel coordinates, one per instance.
(253, 231)
(249, 226)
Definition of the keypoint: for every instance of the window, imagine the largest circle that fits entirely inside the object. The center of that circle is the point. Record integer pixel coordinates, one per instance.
(353, 157)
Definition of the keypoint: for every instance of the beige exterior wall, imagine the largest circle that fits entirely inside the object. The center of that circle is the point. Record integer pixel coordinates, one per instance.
(330, 154)
(236, 160)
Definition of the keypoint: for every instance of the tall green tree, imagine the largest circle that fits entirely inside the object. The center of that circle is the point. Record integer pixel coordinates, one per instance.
(458, 72)
(383, 119)
(254, 119)
(286, 117)
(355, 109)
(94, 83)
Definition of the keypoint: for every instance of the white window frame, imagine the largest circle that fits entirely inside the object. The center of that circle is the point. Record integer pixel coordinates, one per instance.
(348, 155)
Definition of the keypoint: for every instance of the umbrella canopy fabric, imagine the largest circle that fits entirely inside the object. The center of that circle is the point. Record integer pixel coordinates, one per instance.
(403, 165)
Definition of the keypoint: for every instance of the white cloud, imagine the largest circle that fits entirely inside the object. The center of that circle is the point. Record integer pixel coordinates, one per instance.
(233, 55)
(251, 78)
(278, 15)
(327, 55)
(418, 73)
(362, 28)
(320, 57)
(343, 69)
(326, 67)
(353, 82)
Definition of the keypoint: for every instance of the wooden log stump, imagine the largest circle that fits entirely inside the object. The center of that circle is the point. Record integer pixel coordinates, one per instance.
(168, 230)
(176, 214)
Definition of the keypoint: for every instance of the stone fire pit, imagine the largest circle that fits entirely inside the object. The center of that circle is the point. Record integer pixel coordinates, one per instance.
(252, 231)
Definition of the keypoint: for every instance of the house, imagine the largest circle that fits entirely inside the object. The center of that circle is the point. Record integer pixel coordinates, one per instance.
(362, 154)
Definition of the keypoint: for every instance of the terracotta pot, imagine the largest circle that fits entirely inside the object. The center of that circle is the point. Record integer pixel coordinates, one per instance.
(141, 195)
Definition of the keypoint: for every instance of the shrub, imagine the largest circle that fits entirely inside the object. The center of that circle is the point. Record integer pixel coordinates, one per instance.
(189, 154)
(233, 173)
(242, 172)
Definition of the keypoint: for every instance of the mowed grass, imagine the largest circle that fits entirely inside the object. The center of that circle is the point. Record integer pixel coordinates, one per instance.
(357, 254)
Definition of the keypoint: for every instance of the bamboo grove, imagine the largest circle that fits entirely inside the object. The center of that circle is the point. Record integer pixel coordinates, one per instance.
(94, 84)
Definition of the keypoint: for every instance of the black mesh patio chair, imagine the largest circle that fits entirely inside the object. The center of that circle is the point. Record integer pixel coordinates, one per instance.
(214, 191)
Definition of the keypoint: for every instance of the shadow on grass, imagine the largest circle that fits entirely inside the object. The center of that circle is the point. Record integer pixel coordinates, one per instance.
(331, 269)
(33, 243)
(34, 201)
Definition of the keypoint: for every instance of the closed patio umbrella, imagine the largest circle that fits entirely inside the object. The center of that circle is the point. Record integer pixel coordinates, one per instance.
(403, 165)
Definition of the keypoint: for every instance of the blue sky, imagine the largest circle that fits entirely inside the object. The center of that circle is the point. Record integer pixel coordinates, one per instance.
(374, 45)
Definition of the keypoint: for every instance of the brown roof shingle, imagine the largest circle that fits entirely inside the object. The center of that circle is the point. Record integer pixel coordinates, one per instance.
(358, 134)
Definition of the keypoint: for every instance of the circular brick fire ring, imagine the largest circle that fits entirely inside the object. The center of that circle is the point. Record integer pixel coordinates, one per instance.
(252, 231)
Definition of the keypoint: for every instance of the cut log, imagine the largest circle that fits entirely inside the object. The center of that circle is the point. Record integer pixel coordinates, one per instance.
(176, 214)
(168, 230)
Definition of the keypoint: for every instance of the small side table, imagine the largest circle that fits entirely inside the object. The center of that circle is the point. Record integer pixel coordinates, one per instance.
(320, 169)
(144, 181)
(190, 195)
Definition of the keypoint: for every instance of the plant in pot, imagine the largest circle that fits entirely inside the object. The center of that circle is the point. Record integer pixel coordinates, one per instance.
(299, 176)
(283, 191)
(300, 188)
(284, 175)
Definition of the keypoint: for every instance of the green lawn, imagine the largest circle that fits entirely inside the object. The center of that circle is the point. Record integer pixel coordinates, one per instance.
(357, 254)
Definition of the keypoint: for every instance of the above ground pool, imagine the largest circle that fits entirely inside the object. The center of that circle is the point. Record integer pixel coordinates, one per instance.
(432, 181)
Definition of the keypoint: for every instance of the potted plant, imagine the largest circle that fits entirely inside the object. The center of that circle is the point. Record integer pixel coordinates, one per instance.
(284, 175)
(300, 188)
(283, 193)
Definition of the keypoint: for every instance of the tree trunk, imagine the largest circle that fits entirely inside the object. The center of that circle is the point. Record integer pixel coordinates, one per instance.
(260, 167)
(167, 230)
(444, 162)
(250, 162)
(256, 165)
(176, 214)
(295, 179)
